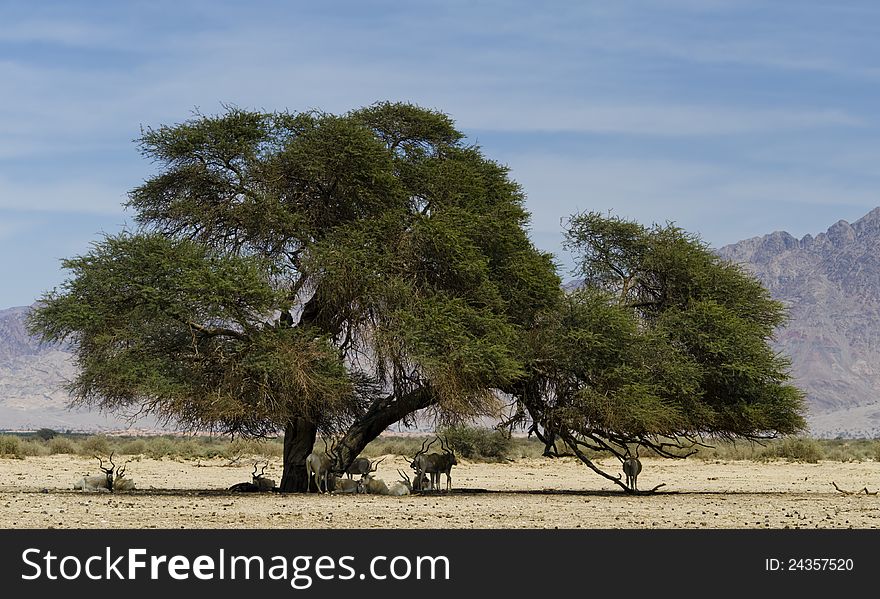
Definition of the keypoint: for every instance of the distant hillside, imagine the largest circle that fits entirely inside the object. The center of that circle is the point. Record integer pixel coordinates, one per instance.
(32, 379)
(831, 283)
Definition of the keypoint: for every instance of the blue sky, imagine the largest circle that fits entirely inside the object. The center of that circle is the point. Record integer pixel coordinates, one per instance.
(731, 118)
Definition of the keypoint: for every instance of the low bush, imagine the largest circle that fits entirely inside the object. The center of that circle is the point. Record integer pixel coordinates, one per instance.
(46, 434)
(62, 445)
(9, 445)
(473, 442)
(796, 449)
(96, 445)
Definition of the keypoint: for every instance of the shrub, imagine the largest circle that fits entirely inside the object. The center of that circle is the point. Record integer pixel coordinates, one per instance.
(62, 445)
(46, 434)
(260, 447)
(31, 447)
(133, 447)
(9, 445)
(158, 447)
(473, 443)
(798, 449)
(97, 445)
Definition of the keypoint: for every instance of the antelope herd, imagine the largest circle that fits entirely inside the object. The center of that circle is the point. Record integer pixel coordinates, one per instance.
(329, 476)
(322, 468)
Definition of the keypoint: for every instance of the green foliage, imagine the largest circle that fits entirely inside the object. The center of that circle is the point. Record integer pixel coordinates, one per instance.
(97, 445)
(515, 447)
(63, 445)
(796, 449)
(477, 443)
(9, 445)
(45, 434)
(253, 447)
(18, 447)
(663, 341)
(380, 229)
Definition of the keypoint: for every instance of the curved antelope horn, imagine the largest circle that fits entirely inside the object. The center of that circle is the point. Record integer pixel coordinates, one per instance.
(445, 446)
(112, 465)
(264, 468)
(254, 473)
(101, 465)
(375, 466)
(424, 447)
(403, 474)
(422, 450)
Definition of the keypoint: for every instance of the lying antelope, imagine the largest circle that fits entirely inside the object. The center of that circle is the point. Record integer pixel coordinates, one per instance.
(111, 480)
(260, 483)
(377, 486)
(402, 486)
(347, 485)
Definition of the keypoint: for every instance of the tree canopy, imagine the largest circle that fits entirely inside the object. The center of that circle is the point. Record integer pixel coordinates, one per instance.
(307, 271)
(662, 344)
(314, 272)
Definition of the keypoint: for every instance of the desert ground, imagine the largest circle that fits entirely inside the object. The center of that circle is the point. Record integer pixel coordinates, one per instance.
(37, 492)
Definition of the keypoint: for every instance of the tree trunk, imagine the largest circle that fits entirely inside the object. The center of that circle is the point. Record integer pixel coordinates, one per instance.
(299, 439)
(381, 414)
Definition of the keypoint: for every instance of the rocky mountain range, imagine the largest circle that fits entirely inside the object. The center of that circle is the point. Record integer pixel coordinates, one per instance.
(32, 379)
(831, 283)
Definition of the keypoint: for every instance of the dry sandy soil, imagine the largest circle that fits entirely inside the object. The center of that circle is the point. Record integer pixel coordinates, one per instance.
(530, 493)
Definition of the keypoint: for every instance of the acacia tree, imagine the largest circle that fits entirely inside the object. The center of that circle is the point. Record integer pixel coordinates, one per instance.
(307, 272)
(663, 344)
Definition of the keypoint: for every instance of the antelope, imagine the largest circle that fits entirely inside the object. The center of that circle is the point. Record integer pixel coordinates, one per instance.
(401, 487)
(631, 467)
(260, 483)
(377, 486)
(108, 482)
(422, 482)
(434, 464)
(347, 485)
(374, 486)
(362, 466)
(320, 466)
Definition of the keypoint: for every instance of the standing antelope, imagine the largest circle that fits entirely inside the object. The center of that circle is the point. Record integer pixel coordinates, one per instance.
(320, 465)
(362, 466)
(631, 468)
(433, 464)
